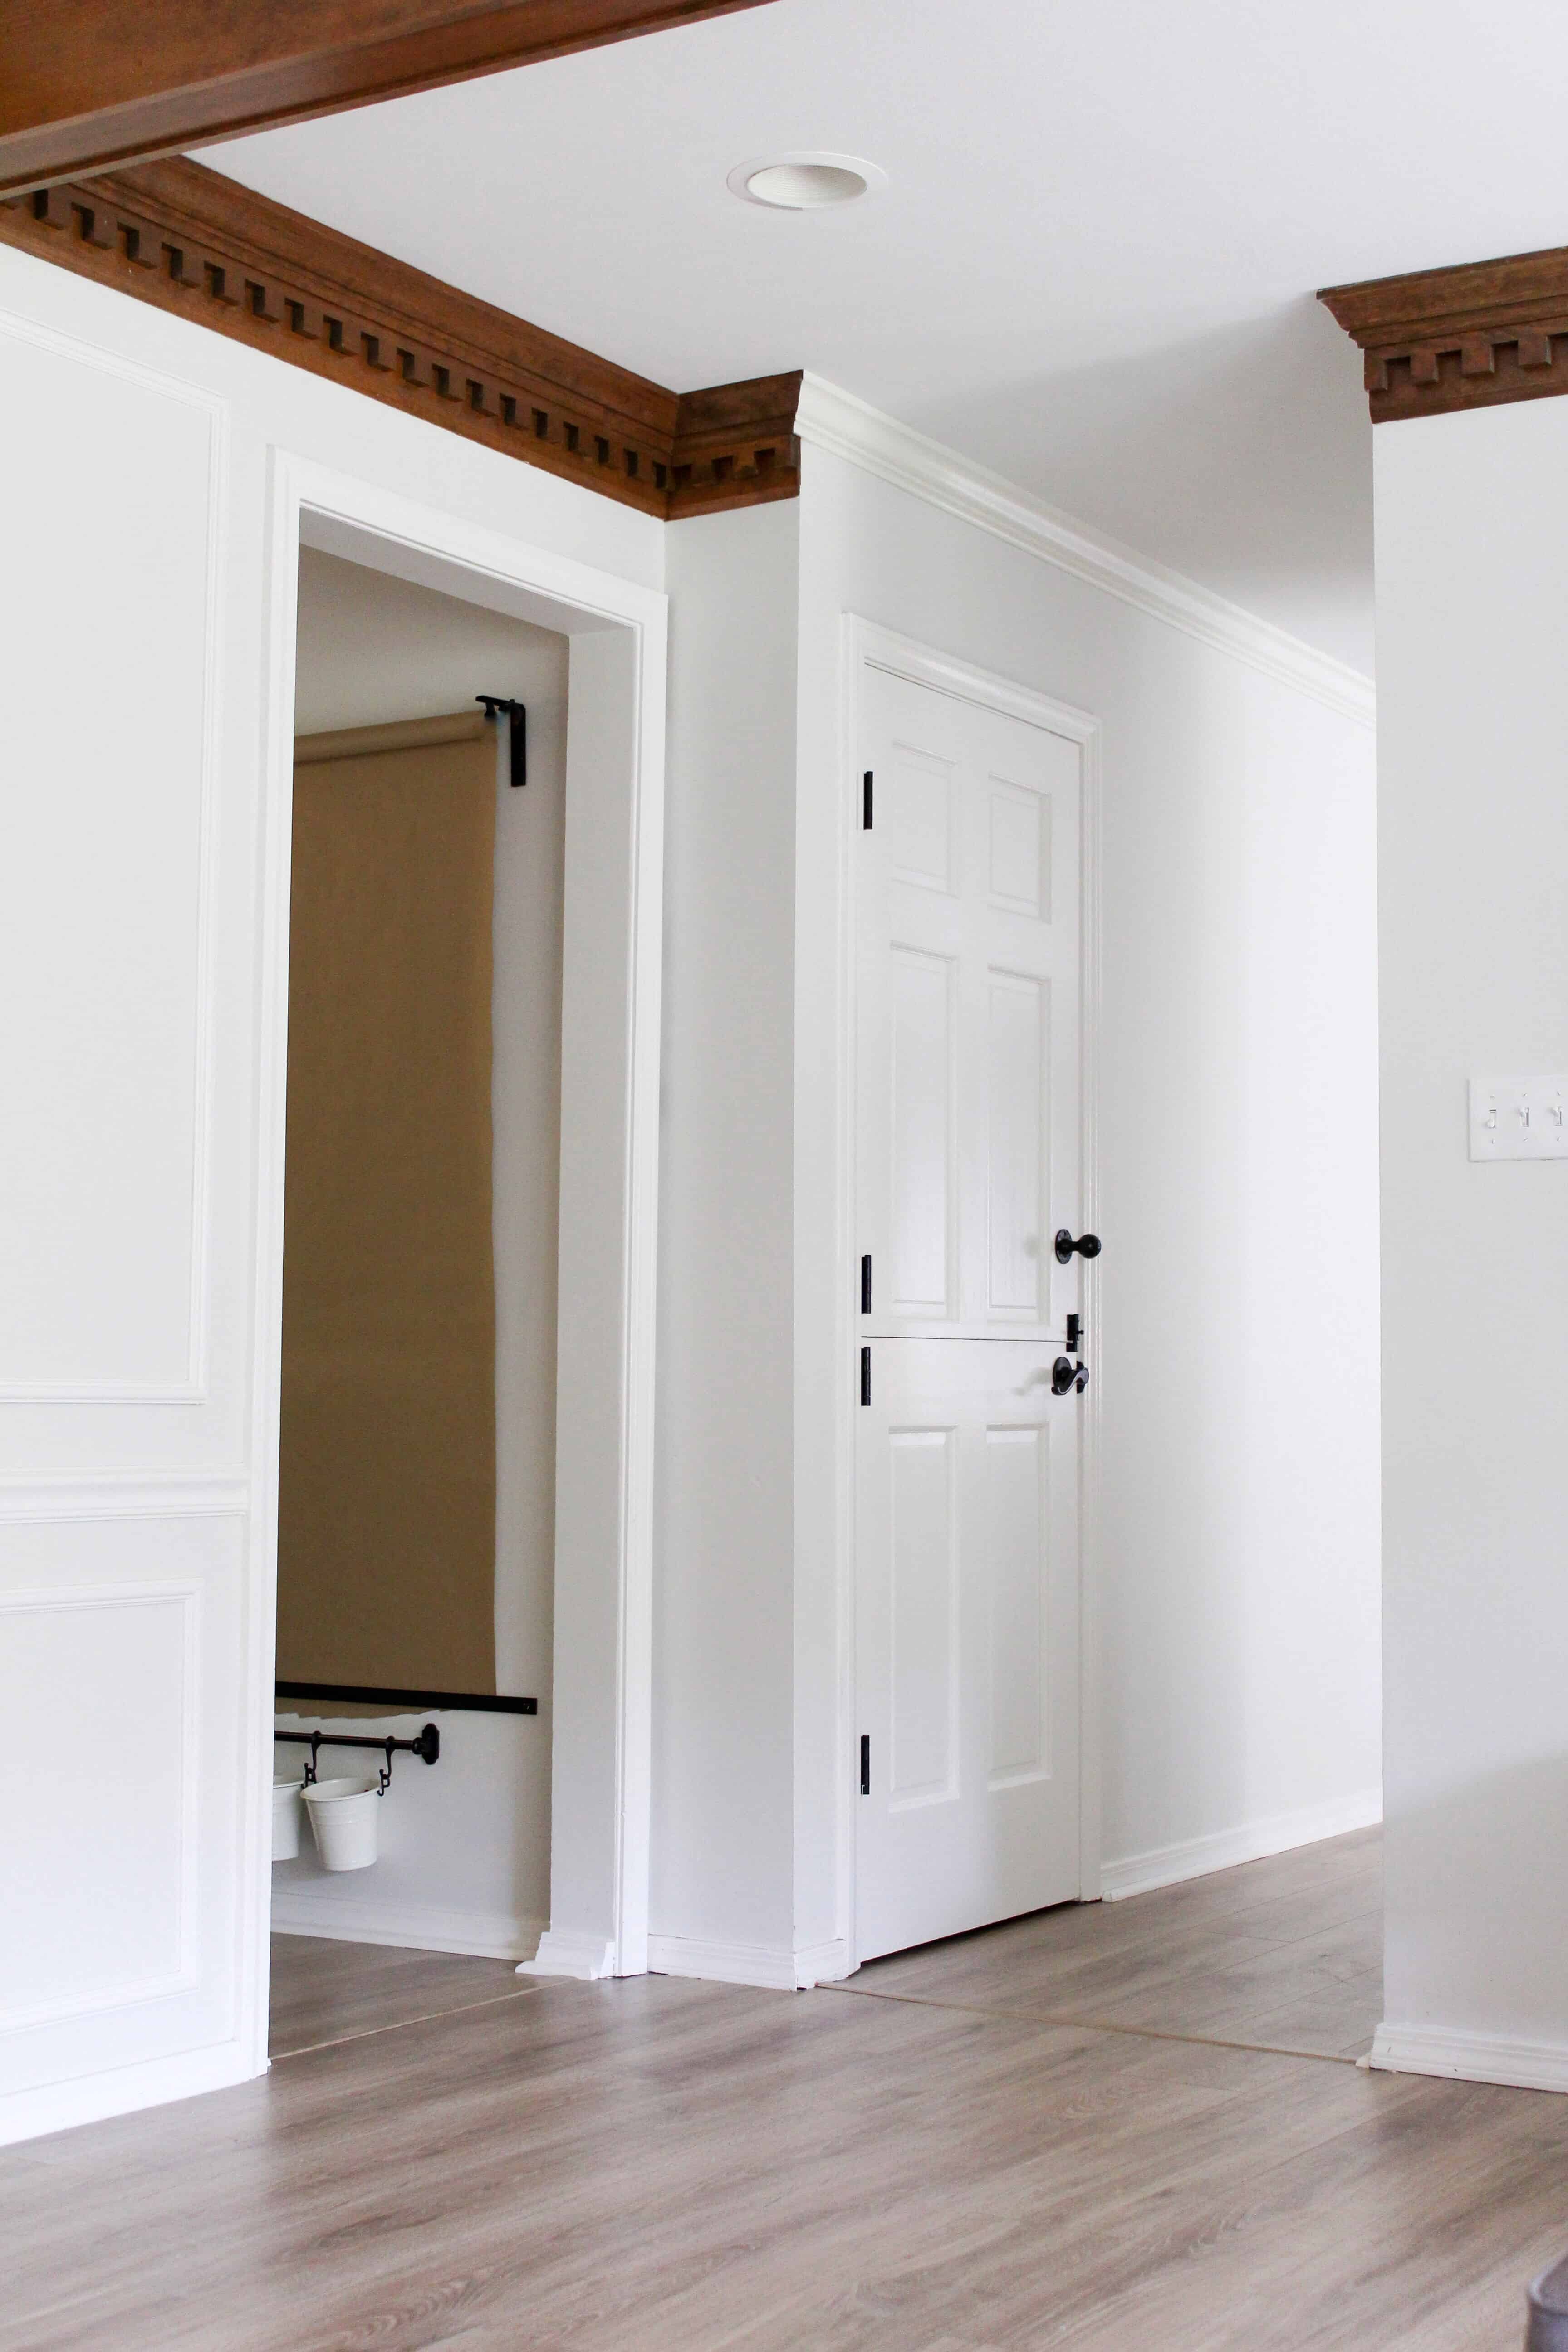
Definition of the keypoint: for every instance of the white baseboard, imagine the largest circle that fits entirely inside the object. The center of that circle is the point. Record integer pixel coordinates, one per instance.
(417, 1927)
(569, 1952)
(122, 2091)
(1167, 1865)
(768, 1966)
(1469, 2057)
(817, 1964)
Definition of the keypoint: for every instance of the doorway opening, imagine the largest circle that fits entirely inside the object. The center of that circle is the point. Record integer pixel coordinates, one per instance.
(417, 1421)
(454, 1317)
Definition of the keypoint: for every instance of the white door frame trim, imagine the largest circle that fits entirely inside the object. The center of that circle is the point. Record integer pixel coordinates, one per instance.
(868, 643)
(343, 515)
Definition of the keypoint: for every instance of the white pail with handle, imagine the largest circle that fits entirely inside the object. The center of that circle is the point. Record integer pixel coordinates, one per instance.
(345, 1816)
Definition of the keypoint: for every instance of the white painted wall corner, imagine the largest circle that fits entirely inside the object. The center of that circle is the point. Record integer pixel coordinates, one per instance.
(1167, 1865)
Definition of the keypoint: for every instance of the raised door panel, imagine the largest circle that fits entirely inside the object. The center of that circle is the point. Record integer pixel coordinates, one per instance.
(966, 1639)
(967, 1111)
(923, 1563)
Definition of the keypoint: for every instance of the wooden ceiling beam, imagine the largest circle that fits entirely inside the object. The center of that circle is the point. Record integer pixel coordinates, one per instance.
(87, 86)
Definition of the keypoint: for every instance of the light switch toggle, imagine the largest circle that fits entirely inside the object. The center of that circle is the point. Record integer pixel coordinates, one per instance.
(1519, 1118)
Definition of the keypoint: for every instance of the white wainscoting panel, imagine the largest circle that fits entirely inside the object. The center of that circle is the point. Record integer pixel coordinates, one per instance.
(123, 1811)
(114, 1810)
(110, 719)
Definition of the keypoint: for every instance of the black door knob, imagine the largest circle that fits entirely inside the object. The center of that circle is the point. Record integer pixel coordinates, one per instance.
(1087, 1245)
(1064, 1372)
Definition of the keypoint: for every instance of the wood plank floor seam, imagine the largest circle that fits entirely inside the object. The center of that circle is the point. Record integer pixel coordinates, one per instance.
(401, 2024)
(1092, 2025)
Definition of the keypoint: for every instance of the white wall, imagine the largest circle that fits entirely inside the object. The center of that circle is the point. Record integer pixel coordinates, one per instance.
(466, 1858)
(722, 1762)
(1472, 588)
(137, 451)
(1236, 1352)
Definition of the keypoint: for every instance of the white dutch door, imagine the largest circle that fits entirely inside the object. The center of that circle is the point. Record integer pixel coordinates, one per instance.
(968, 1117)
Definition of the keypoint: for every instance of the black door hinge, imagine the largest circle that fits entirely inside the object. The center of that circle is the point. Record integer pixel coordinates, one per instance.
(864, 1375)
(865, 1285)
(866, 801)
(865, 1763)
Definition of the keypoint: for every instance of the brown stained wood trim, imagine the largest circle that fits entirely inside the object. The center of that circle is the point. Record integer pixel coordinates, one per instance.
(185, 238)
(1474, 336)
(96, 84)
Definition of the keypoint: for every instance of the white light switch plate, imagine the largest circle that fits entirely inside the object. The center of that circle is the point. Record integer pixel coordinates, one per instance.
(1519, 1118)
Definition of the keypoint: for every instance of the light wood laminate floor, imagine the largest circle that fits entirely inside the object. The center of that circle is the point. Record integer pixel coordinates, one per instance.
(924, 2161)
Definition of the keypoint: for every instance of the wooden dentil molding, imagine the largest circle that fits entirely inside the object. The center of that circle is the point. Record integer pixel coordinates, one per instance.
(184, 237)
(1470, 337)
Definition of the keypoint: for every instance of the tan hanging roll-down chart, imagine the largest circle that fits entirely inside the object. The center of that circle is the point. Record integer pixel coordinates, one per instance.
(387, 1475)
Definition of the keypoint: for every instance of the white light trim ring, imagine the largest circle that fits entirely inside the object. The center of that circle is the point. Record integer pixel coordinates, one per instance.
(805, 180)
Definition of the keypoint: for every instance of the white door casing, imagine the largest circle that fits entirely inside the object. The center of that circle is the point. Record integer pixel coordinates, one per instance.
(969, 1151)
(601, 1759)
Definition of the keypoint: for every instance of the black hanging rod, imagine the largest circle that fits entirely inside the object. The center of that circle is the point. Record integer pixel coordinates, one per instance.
(408, 1702)
(426, 1744)
(517, 712)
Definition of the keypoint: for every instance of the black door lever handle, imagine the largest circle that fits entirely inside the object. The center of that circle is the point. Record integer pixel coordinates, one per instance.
(1087, 1245)
(1065, 1376)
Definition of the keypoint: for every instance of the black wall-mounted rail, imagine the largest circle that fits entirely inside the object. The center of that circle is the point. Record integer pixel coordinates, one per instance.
(517, 715)
(407, 1702)
(425, 1744)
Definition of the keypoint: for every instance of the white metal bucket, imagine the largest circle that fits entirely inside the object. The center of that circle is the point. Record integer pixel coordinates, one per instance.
(284, 1817)
(345, 1816)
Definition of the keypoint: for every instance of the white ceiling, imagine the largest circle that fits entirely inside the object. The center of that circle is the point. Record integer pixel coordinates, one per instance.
(1094, 266)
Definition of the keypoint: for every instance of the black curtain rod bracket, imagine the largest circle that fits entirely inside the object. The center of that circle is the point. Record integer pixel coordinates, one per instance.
(517, 717)
(426, 1744)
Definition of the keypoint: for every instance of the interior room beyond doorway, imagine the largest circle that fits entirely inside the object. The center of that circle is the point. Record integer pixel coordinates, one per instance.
(463, 1858)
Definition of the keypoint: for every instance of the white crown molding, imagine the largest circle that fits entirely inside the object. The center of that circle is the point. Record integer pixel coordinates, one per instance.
(1167, 1865)
(829, 418)
(1469, 2057)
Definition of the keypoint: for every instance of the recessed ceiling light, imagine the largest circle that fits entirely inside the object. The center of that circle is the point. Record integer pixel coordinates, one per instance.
(804, 181)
